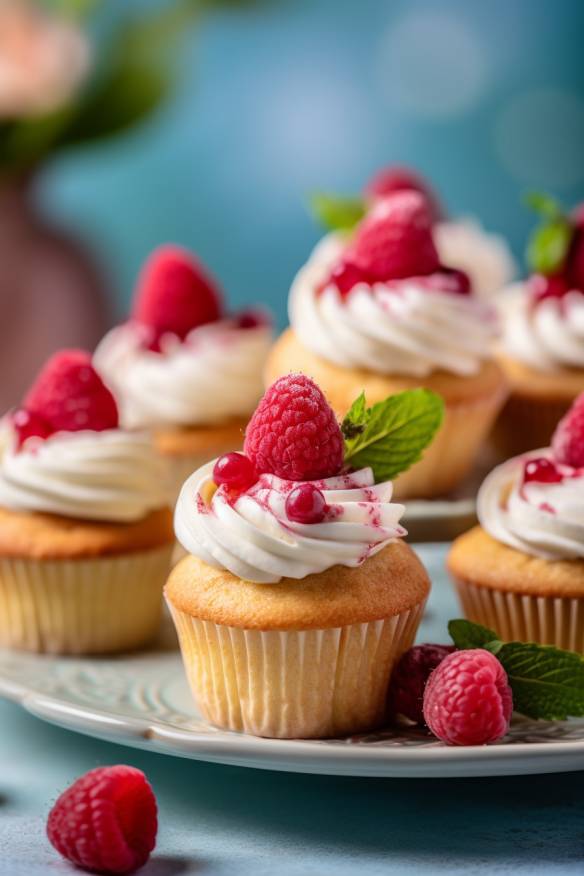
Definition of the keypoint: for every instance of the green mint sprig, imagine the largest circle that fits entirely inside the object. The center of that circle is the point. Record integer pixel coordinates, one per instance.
(337, 213)
(547, 682)
(549, 245)
(391, 436)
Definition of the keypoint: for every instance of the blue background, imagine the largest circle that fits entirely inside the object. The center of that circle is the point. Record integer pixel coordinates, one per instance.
(295, 95)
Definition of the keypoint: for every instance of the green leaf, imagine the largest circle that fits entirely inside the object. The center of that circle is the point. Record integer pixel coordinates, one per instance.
(465, 634)
(356, 418)
(396, 432)
(548, 247)
(547, 682)
(337, 213)
(544, 204)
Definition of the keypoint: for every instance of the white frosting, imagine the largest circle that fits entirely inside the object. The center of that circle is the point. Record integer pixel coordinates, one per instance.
(398, 327)
(113, 475)
(547, 335)
(542, 519)
(484, 256)
(254, 539)
(216, 374)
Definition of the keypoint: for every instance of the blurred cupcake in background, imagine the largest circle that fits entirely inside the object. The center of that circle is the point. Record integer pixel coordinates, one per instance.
(377, 310)
(542, 347)
(85, 524)
(181, 365)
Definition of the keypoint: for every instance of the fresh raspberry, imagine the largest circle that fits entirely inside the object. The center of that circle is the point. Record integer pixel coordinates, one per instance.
(409, 677)
(568, 439)
(468, 700)
(106, 821)
(397, 178)
(70, 395)
(395, 240)
(175, 294)
(294, 433)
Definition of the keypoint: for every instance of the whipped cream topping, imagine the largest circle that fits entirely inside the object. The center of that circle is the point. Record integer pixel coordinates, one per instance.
(397, 327)
(113, 475)
(253, 538)
(484, 256)
(541, 519)
(547, 335)
(214, 375)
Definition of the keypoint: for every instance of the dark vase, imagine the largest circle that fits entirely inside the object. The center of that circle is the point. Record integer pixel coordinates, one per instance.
(52, 294)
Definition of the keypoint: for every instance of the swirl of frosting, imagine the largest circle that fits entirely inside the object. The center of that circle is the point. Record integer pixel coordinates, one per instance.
(546, 335)
(113, 475)
(215, 374)
(542, 519)
(484, 256)
(395, 327)
(253, 538)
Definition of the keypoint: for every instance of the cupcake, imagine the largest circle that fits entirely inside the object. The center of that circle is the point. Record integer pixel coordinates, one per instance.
(378, 311)
(461, 242)
(181, 366)
(521, 572)
(298, 594)
(542, 345)
(85, 525)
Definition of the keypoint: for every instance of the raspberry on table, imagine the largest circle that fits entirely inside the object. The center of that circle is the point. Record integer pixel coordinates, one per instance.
(468, 700)
(409, 677)
(106, 821)
(568, 439)
(294, 433)
(70, 396)
(175, 294)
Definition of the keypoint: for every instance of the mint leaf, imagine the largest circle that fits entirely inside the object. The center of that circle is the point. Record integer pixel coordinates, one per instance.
(337, 213)
(544, 204)
(465, 634)
(547, 682)
(393, 434)
(548, 246)
(355, 419)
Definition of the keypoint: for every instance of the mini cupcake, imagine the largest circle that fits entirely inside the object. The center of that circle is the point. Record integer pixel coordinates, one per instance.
(462, 242)
(85, 525)
(298, 594)
(379, 312)
(181, 366)
(542, 348)
(521, 572)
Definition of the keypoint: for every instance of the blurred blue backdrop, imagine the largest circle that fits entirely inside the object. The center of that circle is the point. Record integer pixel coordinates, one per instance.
(296, 95)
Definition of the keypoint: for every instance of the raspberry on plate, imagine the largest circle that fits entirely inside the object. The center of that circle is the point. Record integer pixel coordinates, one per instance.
(468, 700)
(294, 433)
(568, 439)
(69, 395)
(106, 821)
(409, 677)
(394, 240)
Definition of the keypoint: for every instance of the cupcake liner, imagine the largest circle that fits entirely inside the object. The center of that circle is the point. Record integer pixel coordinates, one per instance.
(549, 620)
(294, 683)
(84, 606)
(527, 423)
(453, 452)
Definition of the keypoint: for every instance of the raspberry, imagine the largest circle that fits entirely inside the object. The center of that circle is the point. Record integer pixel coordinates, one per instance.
(468, 700)
(397, 178)
(395, 240)
(306, 504)
(69, 395)
(568, 439)
(234, 470)
(106, 821)
(175, 294)
(294, 433)
(409, 677)
(541, 471)
(29, 425)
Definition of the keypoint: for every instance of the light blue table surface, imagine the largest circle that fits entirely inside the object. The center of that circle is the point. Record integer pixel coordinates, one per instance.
(227, 821)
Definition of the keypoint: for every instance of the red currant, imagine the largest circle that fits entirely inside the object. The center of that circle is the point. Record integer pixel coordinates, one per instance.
(542, 471)
(542, 287)
(29, 425)
(235, 470)
(306, 504)
(250, 319)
